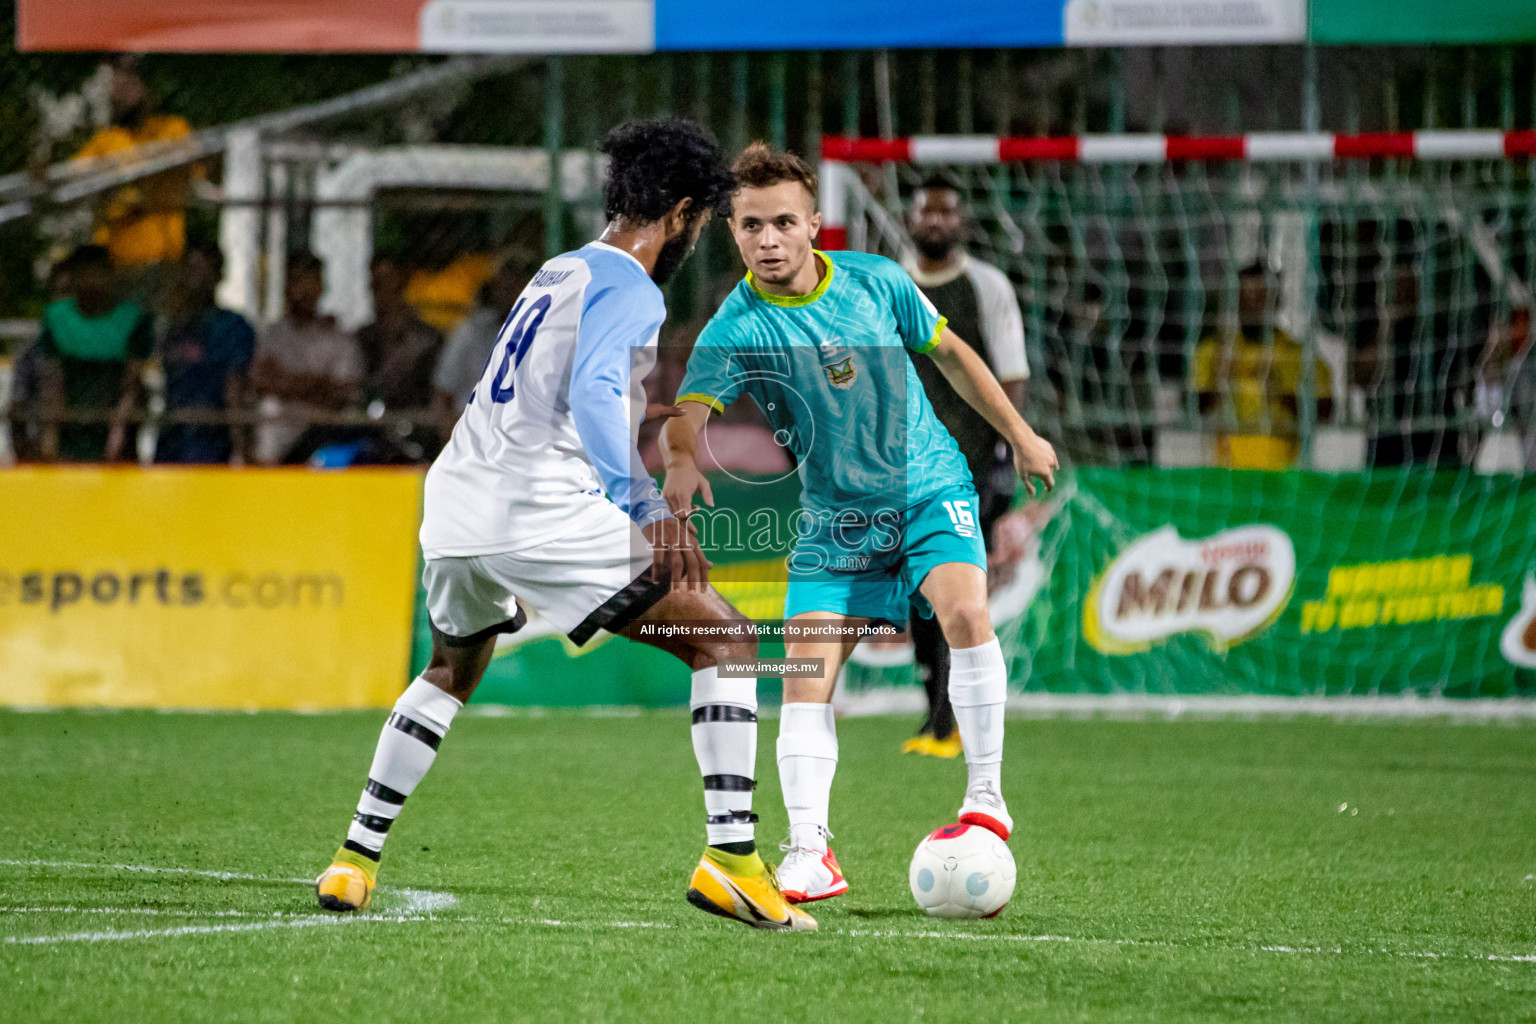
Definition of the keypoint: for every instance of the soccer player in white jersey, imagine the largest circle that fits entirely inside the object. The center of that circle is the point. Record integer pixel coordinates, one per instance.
(540, 499)
(820, 342)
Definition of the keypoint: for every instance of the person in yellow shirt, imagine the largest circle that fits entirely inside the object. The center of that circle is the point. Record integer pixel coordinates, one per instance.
(1249, 379)
(144, 222)
(444, 297)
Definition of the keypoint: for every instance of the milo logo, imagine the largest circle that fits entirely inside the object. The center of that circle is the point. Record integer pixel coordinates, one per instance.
(1229, 586)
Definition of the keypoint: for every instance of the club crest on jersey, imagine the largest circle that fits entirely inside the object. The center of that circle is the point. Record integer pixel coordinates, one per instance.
(842, 374)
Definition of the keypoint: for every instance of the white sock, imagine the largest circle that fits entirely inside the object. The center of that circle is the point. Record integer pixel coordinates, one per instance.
(978, 690)
(807, 763)
(407, 748)
(725, 744)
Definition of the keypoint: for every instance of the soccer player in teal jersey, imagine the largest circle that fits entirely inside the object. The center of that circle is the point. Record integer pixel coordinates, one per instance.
(819, 340)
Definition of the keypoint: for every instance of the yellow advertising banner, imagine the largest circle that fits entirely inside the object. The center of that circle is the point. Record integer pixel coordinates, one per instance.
(206, 588)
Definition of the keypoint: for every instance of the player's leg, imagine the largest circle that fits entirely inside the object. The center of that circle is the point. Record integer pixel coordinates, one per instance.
(724, 709)
(932, 650)
(931, 655)
(468, 609)
(807, 755)
(731, 879)
(978, 686)
(406, 749)
(604, 579)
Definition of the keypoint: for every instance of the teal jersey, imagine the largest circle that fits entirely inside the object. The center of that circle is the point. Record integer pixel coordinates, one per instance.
(830, 372)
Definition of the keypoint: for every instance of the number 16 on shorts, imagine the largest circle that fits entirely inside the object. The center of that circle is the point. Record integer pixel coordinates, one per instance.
(961, 518)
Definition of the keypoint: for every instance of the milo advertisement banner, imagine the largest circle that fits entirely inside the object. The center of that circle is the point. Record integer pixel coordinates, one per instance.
(1228, 586)
(1213, 581)
(1196, 581)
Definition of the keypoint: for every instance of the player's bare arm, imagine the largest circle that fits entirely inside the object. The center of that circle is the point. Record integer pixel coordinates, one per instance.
(680, 458)
(1033, 456)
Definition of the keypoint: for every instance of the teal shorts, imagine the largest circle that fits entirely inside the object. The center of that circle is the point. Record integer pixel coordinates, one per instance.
(878, 574)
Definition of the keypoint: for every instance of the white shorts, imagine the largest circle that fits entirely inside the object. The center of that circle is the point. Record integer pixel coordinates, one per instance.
(579, 584)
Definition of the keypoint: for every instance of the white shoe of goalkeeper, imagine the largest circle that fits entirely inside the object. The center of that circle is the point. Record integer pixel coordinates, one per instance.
(984, 807)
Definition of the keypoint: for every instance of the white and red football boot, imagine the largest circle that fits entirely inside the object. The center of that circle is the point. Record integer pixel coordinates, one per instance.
(984, 807)
(809, 871)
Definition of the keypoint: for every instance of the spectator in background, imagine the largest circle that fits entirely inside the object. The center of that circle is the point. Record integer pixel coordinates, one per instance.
(399, 353)
(1250, 372)
(142, 223)
(27, 374)
(469, 347)
(980, 304)
(1508, 374)
(1417, 374)
(206, 353)
(24, 398)
(1104, 384)
(91, 348)
(444, 288)
(305, 365)
(399, 349)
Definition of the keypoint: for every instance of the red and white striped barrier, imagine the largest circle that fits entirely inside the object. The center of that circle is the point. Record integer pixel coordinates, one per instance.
(1256, 147)
(1152, 149)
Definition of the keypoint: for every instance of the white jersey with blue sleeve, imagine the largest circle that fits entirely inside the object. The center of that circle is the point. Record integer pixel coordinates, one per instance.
(546, 447)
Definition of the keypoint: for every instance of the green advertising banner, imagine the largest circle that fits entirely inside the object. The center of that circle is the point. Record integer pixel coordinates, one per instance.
(1421, 22)
(1198, 581)
(1215, 581)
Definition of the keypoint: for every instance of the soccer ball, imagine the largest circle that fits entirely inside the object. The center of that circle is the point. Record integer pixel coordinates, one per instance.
(962, 871)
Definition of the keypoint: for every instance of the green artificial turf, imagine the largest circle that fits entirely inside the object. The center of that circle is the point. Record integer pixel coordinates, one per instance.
(1161, 866)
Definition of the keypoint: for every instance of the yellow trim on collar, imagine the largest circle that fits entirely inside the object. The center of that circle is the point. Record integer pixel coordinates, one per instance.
(791, 301)
(702, 399)
(938, 336)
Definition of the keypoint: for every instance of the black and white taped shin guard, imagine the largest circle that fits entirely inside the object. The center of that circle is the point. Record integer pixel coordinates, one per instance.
(407, 747)
(725, 743)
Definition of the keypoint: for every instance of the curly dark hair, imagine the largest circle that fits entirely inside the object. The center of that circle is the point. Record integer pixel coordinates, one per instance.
(654, 164)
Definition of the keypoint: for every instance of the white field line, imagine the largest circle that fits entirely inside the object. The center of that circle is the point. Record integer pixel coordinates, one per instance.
(1335, 951)
(151, 912)
(863, 933)
(111, 936)
(417, 901)
(223, 876)
(420, 904)
(154, 933)
(204, 929)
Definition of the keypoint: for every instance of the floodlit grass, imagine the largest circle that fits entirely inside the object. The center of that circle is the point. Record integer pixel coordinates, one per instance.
(1300, 870)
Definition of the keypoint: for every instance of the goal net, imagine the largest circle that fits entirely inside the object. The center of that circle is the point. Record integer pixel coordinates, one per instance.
(1349, 315)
